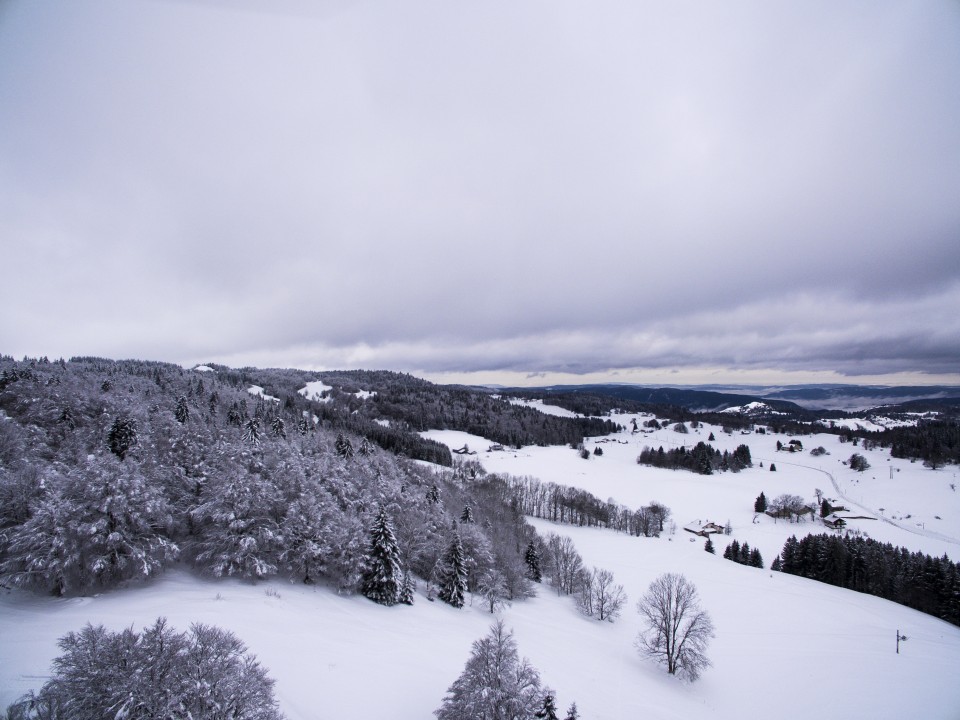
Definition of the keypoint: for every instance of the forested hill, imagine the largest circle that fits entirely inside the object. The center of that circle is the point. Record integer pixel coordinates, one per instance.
(637, 398)
(113, 470)
(370, 402)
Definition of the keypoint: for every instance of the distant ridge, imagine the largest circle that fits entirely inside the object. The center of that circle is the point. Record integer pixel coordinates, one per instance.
(792, 398)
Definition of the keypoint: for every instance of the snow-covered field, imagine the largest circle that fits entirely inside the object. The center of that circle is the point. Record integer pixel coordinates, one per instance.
(785, 647)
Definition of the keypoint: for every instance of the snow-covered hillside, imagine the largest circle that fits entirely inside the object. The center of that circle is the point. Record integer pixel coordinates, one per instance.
(785, 647)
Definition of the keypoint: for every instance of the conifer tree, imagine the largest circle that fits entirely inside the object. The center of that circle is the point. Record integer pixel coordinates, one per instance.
(182, 413)
(452, 574)
(467, 514)
(251, 431)
(760, 504)
(708, 546)
(406, 590)
(777, 565)
(344, 447)
(122, 436)
(382, 577)
(532, 558)
(549, 709)
(279, 427)
(756, 559)
(573, 713)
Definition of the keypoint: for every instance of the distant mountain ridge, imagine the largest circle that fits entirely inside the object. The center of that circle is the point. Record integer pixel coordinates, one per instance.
(791, 399)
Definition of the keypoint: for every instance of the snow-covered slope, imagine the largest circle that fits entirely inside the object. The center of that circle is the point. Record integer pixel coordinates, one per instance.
(786, 647)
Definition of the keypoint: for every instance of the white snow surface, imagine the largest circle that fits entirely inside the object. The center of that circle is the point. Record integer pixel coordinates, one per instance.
(543, 407)
(204, 368)
(314, 391)
(781, 641)
(259, 392)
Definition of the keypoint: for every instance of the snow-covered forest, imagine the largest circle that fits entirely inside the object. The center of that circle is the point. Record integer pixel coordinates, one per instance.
(346, 529)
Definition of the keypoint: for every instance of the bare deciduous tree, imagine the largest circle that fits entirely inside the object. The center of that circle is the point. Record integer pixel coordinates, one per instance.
(678, 628)
(566, 565)
(601, 597)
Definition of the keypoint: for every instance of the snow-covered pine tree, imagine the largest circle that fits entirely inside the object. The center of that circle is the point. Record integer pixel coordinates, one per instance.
(251, 431)
(467, 514)
(343, 447)
(182, 412)
(382, 579)
(452, 573)
(573, 713)
(532, 558)
(760, 504)
(548, 711)
(122, 436)
(407, 589)
(279, 427)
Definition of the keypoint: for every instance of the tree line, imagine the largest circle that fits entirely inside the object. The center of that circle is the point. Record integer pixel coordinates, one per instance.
(703, 458)
(914, 579)
(575, 506)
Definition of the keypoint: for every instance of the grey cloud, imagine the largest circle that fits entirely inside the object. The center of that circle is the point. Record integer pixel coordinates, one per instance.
(498, 186)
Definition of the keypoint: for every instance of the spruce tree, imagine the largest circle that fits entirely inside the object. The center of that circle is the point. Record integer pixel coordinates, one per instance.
(406, 590)
(777, 565)
(122, 436)
(760, 505)
(382, 575)
(756, 559)
(573, 713)
(532, 558)
(467, 514)
(343, 447)
(452, 574)
(708, 546)
(549, 709)
(182, 413)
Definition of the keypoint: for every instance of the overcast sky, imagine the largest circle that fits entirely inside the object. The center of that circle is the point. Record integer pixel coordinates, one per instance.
(503, 190)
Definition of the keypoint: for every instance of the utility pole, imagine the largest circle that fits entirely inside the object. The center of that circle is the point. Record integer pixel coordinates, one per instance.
(899, 638)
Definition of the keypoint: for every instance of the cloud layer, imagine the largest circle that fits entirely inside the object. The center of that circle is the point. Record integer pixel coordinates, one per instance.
(517, 187)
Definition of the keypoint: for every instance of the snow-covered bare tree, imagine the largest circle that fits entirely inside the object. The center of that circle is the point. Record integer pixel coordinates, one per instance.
(493, 588)
(678, 629)
(600, 596)
(495, 684)
(102, 523)
(158, 673)
(238, 527)
(566, 565)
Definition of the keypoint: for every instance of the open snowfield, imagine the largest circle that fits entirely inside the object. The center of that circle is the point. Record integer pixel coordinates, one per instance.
(785, 647)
